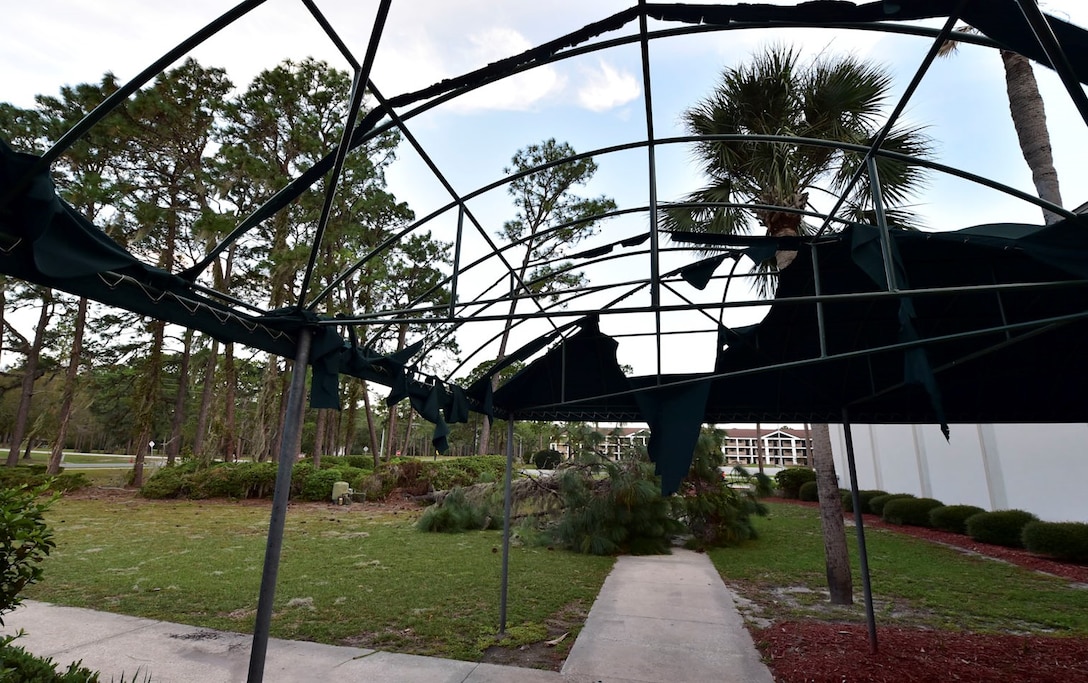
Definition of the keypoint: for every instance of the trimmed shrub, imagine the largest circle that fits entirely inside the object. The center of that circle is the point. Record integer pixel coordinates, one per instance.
(547, 459)
(1061, 540)
(953, 517)
(864, 496)
(877, 503)
(456, 514)
(167, 482)
(1001, 527)
(910, 511)
(791, 479)
(808, 492)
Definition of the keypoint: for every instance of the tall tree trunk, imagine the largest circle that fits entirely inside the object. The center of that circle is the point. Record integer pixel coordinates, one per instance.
(230, 380)
(402, 336)
(68, 395)
(408, 431)
(284, 384)
(371, 432)
(3, 308)
(173, 444)
(30, 372)
(319, 436)
(347, 420)
(147, 393)
(839, 580)
(1029, 119)
(207, 396)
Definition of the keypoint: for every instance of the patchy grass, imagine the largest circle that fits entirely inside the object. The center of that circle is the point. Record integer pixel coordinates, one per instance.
(347, 576)
(915, 583)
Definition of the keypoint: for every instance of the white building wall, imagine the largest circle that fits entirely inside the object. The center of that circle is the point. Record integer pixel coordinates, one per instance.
(1039, 468)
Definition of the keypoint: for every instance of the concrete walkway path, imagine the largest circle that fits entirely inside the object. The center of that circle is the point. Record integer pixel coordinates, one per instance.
(665, 619)
(659, 619)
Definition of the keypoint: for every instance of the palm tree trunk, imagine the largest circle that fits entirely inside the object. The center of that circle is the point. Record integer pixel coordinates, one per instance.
(839, 581)
(1029, 119)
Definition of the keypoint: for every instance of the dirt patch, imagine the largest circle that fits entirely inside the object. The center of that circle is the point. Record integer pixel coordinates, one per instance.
(818, 652)
(549, 653)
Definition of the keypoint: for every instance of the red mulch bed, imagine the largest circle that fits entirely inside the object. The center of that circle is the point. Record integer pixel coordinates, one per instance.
(819, 652)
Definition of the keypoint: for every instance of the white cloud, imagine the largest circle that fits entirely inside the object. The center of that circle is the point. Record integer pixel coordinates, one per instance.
(421, 61)
(607, 88)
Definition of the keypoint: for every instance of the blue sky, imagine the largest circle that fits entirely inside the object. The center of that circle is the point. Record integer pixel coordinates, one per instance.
(591, 102)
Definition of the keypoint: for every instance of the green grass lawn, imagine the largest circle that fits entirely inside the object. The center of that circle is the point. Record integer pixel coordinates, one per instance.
(914, 582)
(346, 577)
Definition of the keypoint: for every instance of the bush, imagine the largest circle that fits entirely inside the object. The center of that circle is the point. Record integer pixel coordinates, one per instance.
(1001, 527)
(318, 485)
(910, 511)
(877, 503)
(362, 462)
(16, 664)
(864, 496)
(256, 479)
(1061, 540)
(953, 517)
(455, 514)
(809, 492)
(25, 541)
(167, 482)
(35, 477)
(547, 459)
(791, 479)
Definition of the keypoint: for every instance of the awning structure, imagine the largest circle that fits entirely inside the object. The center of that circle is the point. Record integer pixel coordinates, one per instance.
(985, 324)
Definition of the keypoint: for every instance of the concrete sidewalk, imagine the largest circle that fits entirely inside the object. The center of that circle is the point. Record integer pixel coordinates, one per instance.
(659, 619)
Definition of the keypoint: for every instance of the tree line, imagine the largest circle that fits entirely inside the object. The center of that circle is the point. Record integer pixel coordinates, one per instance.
(167, 175)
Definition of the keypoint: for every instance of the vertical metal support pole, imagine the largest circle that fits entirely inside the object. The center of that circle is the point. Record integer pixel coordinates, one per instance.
(456, 260)
(291, 430)
(820, 326)
(507, 505)
(863, 553)
(651, 161)
(882, 224)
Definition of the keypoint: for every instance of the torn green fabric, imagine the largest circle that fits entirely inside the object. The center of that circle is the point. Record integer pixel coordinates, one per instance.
(699, 273)
(675, 416)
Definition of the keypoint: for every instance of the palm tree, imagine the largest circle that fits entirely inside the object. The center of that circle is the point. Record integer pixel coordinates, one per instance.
(1029, 121)
(836, 99)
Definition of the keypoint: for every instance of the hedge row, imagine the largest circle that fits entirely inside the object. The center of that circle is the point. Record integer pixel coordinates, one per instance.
(35, 476)
(1011, 528)
(258, 480)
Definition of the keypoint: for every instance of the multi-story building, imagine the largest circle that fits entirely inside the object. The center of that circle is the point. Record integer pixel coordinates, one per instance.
(782, 447)
(613, 442)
